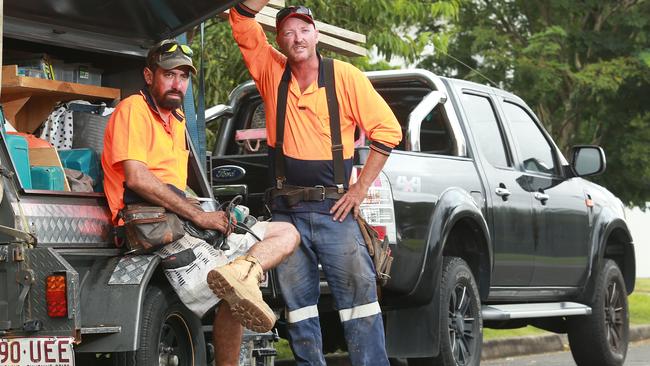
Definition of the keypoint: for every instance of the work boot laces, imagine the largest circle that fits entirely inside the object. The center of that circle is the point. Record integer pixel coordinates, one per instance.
(254, 263)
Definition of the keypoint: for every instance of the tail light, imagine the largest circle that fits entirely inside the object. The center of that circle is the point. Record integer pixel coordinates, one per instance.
(377, 208)
(56, 296)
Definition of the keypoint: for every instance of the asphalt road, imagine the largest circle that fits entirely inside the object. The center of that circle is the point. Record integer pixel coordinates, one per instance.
(638, 355)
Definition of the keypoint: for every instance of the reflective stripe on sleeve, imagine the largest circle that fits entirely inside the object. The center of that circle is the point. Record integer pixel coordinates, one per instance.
(301, 314)
(360, 311)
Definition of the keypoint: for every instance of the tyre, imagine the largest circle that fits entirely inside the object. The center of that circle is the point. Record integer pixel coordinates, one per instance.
(170, 334)
(461, 325)
(602, 337)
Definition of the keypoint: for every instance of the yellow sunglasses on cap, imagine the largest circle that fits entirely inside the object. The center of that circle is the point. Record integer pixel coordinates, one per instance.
(170, 48)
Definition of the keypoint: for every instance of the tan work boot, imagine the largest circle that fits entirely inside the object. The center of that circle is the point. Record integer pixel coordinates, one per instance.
(238, 283)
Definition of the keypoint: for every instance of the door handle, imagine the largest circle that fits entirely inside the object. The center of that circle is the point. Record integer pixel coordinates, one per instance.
(542, 197)
(502, 192)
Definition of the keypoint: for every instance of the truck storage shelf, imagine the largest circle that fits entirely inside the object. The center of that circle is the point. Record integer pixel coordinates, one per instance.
(27, 101)
(13, 84)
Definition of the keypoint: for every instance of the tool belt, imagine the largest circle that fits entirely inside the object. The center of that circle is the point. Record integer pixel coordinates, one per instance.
(379, 251)
(295, 194)
(149, 227)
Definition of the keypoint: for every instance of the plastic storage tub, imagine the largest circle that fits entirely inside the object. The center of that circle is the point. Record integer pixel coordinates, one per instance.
(32, 141)
(86, 74)
(19, 152)
(63, 71)
(48, 177)
(84, 160)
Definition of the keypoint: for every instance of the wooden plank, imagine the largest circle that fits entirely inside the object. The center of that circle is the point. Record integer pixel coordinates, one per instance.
(33, 113)
(331, 30)
(12, 83)
(326, 41)
(31, 100)
(278, 4)
(13, 105)
(44, 156)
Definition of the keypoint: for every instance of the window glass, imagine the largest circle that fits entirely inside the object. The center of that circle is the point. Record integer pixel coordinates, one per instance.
(486, 129)
(402, 101)
(434, 135)
(536, 152)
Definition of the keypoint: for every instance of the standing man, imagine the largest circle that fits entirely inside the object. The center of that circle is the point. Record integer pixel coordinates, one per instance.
(306, 191)
(145, 160)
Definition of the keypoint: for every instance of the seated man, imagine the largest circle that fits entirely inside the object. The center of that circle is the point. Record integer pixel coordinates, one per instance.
(145, 160)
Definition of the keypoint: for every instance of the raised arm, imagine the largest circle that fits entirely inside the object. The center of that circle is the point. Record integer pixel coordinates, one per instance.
(255, 5)
(259, 56)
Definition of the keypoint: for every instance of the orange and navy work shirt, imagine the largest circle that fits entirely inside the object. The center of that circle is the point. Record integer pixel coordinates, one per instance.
(307, 142)
(136, 131)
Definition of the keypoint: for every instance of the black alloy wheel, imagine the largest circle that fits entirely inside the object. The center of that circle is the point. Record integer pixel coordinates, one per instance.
(461, 324)
(463, 315)
(602, 337)
(614, 313)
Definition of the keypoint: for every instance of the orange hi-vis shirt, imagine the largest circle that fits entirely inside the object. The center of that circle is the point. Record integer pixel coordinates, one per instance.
(136, 131)
(307, 139)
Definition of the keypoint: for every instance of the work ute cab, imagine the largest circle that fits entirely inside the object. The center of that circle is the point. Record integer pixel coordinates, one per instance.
(489, 224)
(66, 291)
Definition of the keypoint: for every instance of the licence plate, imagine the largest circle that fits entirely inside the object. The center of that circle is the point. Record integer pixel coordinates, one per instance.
(37, 351)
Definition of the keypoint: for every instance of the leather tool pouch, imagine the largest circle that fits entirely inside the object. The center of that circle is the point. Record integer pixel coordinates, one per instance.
(379, 251)
(149, 227)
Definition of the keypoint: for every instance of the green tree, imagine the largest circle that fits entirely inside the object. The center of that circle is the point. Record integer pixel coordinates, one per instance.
(583, 66)
(388, 24)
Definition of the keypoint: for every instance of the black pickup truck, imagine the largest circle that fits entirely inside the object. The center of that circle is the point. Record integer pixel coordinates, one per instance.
(68, 295)
(489, 224)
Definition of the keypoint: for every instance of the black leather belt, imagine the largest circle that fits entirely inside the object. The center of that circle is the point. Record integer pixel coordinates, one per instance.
(296, 194)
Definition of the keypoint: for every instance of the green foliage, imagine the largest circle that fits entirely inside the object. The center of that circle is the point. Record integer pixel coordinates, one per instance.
(639, 308)
(583, 66)
(489, 333)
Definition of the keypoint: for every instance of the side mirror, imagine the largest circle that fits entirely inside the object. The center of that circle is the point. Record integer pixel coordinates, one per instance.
(220, 110)
(587, 160)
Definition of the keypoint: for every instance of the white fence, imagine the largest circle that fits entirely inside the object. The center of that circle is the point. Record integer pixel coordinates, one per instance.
(639, 223)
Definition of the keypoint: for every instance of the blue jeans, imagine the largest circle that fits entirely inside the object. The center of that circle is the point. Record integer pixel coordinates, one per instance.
(350, 274)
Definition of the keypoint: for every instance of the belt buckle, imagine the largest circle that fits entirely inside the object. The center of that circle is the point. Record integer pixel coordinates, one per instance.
(322, 194)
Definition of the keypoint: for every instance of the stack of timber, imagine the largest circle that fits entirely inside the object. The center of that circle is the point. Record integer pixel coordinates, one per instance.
(333, 38)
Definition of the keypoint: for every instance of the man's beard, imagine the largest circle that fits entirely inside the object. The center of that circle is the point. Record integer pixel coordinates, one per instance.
(169, 103)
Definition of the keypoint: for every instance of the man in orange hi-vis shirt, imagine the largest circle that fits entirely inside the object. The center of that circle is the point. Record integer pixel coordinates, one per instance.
(311, 163)
(145, 160)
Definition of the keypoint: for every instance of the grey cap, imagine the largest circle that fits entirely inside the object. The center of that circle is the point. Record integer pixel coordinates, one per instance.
(160, 55)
